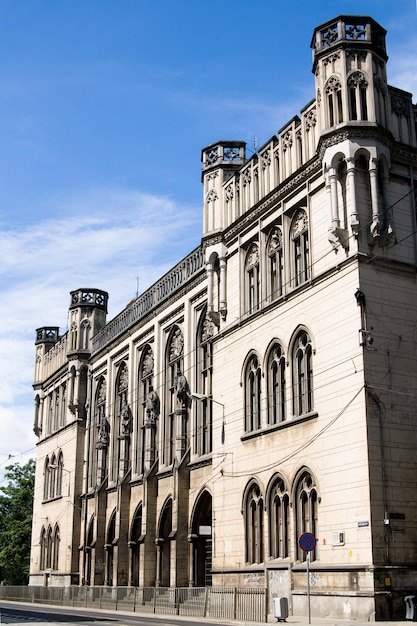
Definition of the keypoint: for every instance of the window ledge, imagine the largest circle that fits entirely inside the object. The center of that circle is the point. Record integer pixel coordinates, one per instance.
(201, 461)
(54, 499)
(282, 425)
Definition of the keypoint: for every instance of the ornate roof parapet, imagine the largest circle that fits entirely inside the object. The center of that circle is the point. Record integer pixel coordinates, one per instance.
(47, 335)
(172, 283)
(230, 154)
(91, 298)
(348, 30)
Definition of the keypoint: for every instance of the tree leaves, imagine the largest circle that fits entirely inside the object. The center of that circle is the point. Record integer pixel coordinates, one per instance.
(16, 504)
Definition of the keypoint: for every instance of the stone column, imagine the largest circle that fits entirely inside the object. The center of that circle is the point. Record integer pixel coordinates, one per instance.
(223, 296)
(376, 222)
(191, 540)
(209, 270)
(351, 190)
(333, 196)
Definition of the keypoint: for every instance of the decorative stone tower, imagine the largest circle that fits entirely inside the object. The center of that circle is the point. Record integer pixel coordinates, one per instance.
(220, 161)
(87, 312)
(354, 117)
(349, 62)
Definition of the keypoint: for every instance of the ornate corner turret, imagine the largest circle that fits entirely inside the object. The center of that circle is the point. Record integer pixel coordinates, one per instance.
(88, 311)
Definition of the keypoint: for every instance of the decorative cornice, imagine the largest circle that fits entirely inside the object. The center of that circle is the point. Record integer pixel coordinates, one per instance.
(281, 192)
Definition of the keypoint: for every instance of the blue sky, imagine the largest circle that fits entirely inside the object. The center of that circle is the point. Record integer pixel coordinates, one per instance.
(105, 106)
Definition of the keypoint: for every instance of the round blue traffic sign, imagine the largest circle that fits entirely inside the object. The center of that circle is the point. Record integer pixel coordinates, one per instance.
(307, 542)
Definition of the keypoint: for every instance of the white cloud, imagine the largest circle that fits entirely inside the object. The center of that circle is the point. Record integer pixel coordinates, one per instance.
(403, 73)
(106, 240)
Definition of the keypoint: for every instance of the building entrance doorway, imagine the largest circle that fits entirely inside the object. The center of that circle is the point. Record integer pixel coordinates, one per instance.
(202, 544)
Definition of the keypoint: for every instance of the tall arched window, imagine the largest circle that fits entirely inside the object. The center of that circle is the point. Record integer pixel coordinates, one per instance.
(253, 395)
(306, 511)
(99, 436)
(145, 387)
(58, 474)
(254, 525)
(136, 539)
(49, 544)
(174, 370)
(123, 422)
(109, 547)
(276, 265)
(357, 87)
(252, 277)
(333, 90)
(55, 548)
(302, 374)
(43, 543)
(276, 385)
(204, 407)
(56, 410)
(301, 247)
(52, 477)
(46, 479)
(63, 412)
(279, 520)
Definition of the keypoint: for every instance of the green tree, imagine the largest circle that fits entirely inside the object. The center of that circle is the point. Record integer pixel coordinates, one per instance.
(16, 503)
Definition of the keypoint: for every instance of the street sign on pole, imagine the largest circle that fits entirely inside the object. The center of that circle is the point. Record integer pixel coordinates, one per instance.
(307, 543)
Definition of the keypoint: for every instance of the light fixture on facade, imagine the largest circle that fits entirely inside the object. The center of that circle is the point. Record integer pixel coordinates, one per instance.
(202, 397)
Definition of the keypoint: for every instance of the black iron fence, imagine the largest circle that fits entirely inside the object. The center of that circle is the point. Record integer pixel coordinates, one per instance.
(213, 602)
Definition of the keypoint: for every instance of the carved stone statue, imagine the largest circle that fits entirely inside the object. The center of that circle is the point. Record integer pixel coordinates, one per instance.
(152, 405)
(103, 433)
(181, 388)
(125, 420)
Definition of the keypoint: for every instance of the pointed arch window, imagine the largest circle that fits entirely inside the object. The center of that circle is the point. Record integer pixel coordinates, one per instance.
(306, 511)
(303, 374)
(63, 411)
(121, 443)
(333, 90)
(357, 89)
(49, 543)
(46, 479)
(58, 474)
(254, 510)
(276, 385)
(276, 263)
(279, 503)
(43, 549)
(204, 408)
(253, 395)
(145, 387)
(301, 247)
(55, 548)
(174, 369)
(52, 477)
(252, 276)
(109, 547)
(99, 436)
(136, 539)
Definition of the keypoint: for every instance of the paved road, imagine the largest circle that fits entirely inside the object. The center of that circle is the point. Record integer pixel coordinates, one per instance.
(20, 614)
(23, 614)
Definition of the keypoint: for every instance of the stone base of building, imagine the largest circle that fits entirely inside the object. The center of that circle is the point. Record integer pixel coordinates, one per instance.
(358, 593)
(50, 579)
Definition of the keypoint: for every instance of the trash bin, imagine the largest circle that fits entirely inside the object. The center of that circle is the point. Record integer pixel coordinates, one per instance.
(410, 605)
(281, 609)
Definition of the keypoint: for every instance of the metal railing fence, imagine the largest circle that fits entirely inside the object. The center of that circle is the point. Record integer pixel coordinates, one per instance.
(212, 602)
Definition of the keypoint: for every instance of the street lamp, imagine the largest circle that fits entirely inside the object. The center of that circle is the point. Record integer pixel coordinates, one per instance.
(202, 397)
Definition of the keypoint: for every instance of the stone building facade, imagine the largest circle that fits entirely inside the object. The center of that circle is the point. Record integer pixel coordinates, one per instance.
(266, 386)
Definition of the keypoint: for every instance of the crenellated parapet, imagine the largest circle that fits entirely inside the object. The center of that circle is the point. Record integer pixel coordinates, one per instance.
(88, 298)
